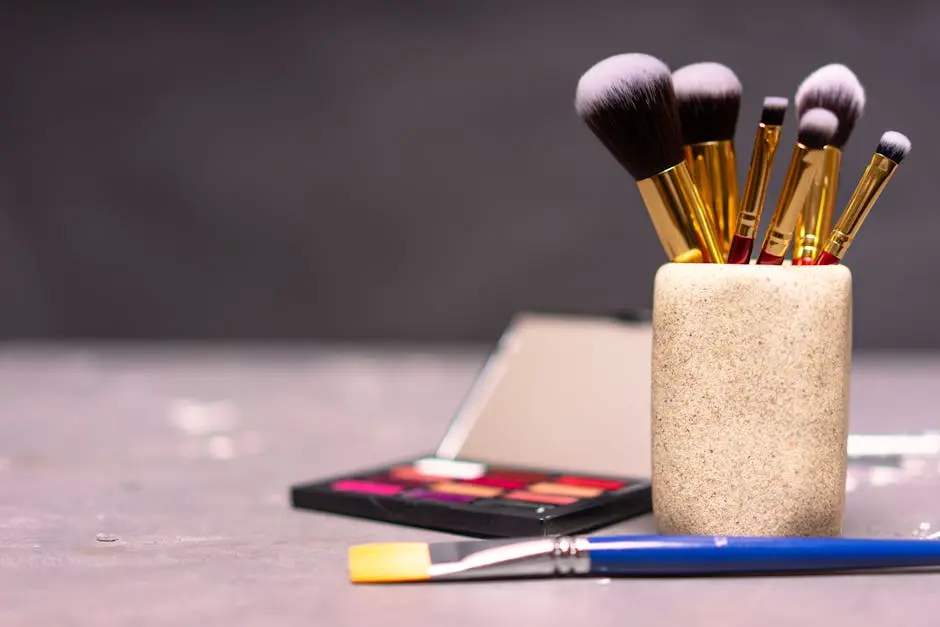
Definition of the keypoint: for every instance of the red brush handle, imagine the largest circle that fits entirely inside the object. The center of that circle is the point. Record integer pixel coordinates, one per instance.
(827, 259)
(766, 259)
(740, 251)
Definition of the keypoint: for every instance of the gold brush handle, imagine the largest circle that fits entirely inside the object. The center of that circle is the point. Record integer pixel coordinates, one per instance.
(755, 187)
(873, 181)
(680, 218)
(815, 222)
(713, 168)
(804, 167)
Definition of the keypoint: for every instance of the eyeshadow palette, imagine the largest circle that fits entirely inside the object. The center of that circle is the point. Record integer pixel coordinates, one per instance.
(478, 499)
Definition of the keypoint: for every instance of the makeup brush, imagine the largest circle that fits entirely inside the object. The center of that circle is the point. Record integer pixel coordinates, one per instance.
(709, 98)
(892, 149)
(817, 127)
(640, 555)
(836, 88)
(628, 102)
(758, 176)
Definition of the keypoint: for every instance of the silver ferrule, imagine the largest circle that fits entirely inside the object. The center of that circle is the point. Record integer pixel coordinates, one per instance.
(510, 558)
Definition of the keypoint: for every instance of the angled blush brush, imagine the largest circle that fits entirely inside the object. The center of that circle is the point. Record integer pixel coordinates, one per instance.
(709, 99)
(629, 104)
(758, 176)
(835, 88)
(892, 149)
(817, 126)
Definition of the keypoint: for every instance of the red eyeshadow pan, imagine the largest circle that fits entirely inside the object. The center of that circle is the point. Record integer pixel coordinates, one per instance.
(497, 482)
(521, 495)
(367, 487)
(516, 475)
(587, 482)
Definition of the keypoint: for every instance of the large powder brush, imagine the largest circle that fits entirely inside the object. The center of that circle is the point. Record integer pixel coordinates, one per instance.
(629, 103)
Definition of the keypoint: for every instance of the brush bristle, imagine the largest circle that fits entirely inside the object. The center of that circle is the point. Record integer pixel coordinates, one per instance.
(709, 99)
(774, 111)
(817, 127)
(389, 562)
(836, 88)
(628, 102)
(894, 146)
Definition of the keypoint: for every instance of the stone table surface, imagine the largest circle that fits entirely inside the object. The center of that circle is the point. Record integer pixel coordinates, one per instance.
(148, 486)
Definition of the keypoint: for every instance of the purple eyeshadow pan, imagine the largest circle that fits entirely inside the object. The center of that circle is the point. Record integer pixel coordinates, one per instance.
(439, 496)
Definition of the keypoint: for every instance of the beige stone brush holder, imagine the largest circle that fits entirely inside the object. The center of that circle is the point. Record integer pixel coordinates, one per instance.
(750, 398)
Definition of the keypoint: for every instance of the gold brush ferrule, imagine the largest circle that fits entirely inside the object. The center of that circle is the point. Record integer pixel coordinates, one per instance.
(873, 181)
(682, 223)
(714, 171)
(805, 165)
(815, 222)
(758, 176)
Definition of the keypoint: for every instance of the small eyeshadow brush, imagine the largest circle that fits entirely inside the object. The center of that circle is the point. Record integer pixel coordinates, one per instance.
(892, 149)
(758, 176)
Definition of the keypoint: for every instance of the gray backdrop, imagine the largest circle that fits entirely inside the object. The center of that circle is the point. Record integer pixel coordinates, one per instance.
(402, 170)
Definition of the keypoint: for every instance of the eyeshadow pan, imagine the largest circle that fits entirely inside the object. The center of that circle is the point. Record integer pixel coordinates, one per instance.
(606, 484)
(516, 475)
(466, 489)
(522, 495)
(508, 484)
(368, 487)
(565, 490)
(439, 496)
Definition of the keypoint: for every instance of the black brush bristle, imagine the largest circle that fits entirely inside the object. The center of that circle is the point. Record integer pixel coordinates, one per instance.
(774, 111)
(708, 119)
(817, 128)
(629, 103)
(836, 88)
(709, 101)
(894, 146)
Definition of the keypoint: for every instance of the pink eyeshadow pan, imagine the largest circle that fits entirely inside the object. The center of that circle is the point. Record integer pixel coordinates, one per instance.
(367, 487)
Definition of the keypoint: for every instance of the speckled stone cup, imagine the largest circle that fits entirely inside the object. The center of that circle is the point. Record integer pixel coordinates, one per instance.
(750, 399)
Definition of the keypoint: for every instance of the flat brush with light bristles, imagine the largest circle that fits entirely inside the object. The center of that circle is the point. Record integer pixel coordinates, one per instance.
(816, 129)
(709, 99)
(636, 556)
(833, 87)
(892, 149)
(758, 176)
(629, 103)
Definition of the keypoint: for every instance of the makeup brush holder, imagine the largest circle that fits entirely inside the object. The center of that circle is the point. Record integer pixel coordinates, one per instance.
(750, 399)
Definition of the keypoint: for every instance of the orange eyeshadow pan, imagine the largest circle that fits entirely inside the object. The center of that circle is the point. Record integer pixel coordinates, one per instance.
(408, 473)
(561, 489)
(466, 489)
(607, 484)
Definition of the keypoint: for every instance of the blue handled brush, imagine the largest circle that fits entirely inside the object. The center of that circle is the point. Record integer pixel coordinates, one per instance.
(633, 556)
